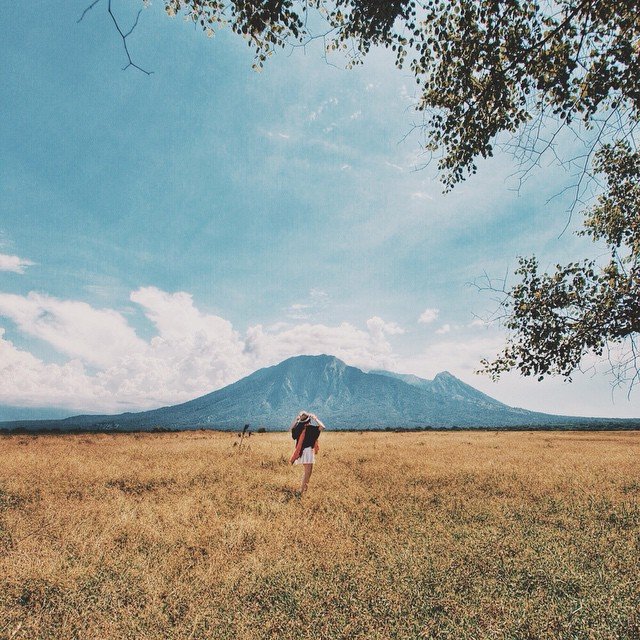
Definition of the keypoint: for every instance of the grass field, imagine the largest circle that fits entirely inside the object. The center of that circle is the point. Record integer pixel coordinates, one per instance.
(402, 535)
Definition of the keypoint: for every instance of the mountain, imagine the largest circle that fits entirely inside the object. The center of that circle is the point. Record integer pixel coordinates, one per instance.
(344, 397)
(448, 385)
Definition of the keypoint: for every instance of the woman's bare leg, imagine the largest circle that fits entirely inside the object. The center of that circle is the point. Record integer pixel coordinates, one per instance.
(308, 468)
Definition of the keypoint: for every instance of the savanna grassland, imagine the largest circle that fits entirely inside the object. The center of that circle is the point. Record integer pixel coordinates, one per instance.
(402, 535)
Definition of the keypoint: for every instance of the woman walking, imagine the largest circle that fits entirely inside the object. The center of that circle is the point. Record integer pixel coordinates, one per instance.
(306, 436)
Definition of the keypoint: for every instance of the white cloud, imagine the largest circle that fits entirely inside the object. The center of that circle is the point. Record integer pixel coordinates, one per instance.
(299, 311)
(378, 327)
(205, 349)
(316, 301)
(27, 381)
(191, 354)
(587, 395)
(393, 165)
(366, 349)
(318, 295)
(355, 115)
(445, 328)
(176, 317)
(110, 369)
(194, 352)
(460, 357)
(99, 337)
(14, 264)
(314, 115)
(277, 134)
(428, 315)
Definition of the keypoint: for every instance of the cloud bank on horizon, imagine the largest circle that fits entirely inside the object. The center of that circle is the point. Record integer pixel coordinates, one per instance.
(110, 368)
(105, 365)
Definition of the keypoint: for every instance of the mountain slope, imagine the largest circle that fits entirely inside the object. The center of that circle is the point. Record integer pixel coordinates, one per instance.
(448, 385)
(344, 397)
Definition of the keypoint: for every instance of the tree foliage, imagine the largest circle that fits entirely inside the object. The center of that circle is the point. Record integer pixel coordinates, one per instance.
(556, 319)
(489, 67)
(483, 66)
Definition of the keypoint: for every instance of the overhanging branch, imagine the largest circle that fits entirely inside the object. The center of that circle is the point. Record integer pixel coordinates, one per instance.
(120, 31)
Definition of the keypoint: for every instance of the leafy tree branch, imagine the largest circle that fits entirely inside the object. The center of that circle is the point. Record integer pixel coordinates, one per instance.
(486, 70)
(583, 308)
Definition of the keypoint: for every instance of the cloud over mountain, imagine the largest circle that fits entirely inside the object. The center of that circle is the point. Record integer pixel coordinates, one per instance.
(345, 397)
(110, 367)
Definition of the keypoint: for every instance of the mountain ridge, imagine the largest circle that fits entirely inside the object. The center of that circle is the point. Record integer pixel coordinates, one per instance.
(345, 397)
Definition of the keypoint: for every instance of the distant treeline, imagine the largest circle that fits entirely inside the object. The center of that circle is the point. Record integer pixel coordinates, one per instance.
(602, 426)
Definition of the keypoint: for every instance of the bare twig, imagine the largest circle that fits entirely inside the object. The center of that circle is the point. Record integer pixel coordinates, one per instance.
(84, 13)
(124, 37)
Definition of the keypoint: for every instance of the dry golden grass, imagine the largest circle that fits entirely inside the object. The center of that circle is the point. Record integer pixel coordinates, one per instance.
(429, 535)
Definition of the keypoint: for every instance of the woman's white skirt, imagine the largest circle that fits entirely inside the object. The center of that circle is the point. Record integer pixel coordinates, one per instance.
(307, 457)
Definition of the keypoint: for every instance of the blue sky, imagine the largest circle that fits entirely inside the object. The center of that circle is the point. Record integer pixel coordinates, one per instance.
(162, 236)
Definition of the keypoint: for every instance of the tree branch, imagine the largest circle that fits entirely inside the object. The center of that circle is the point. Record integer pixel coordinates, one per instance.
(84, 13)
(124, 37)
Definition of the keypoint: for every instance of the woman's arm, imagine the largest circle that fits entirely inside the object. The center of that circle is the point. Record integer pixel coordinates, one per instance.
(320, 425)
(295, 422)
